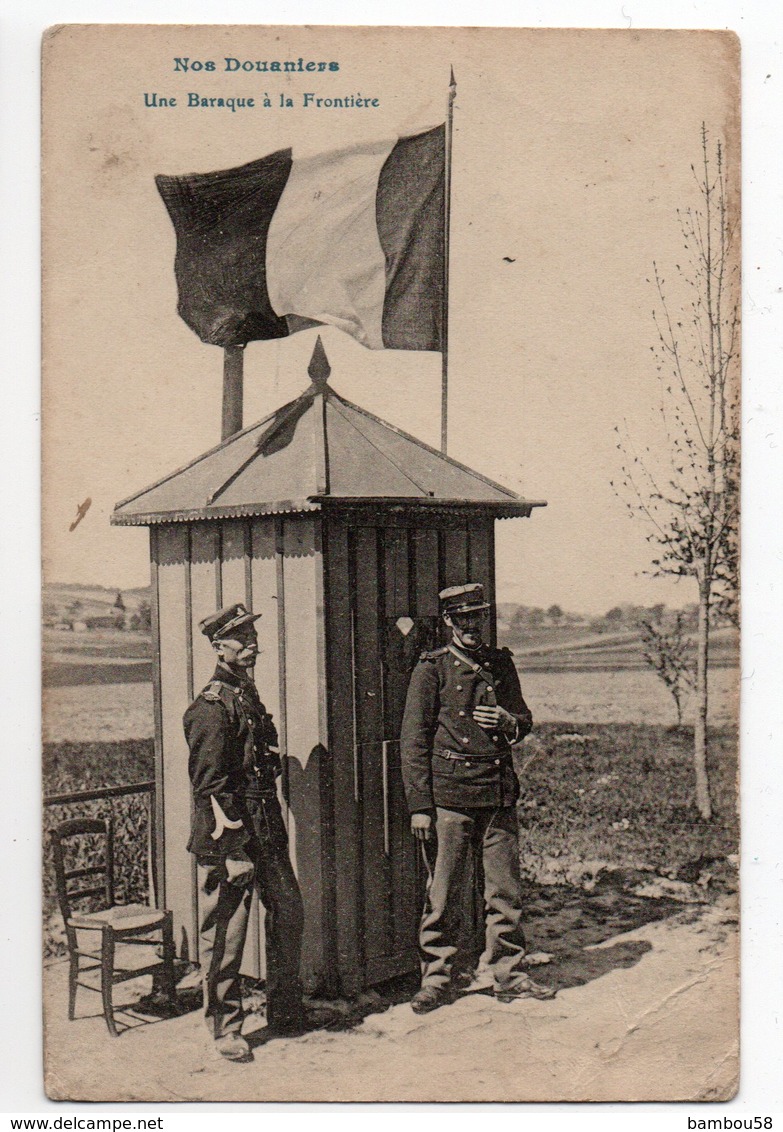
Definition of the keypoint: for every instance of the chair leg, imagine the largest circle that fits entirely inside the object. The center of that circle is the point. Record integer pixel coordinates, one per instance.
(168, 959)
(107, 971)
(73, 975)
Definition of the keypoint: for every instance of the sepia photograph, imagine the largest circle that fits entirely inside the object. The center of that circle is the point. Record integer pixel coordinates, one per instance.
(391, 510)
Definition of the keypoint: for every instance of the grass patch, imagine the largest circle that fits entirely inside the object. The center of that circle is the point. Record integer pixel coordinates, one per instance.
(594, 797)
(89, 766)
(623, 795)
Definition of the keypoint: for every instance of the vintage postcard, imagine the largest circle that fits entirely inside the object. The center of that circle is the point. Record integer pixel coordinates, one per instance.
(391, 491)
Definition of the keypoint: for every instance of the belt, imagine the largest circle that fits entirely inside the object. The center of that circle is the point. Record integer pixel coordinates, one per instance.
(462, 757)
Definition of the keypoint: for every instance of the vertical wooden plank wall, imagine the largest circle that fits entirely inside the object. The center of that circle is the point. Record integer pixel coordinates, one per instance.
(402, 849)
(397, 604)
(338, 553)
(481, 563)
(173, 615)
(263, 600)
(329, 976)
(480, 538)
(368, 573)
(306, 745)
(322, 664)
(455, 555)
(232, 561)
(264, 586)
(204, 565)
(426, 573)
(159, 848)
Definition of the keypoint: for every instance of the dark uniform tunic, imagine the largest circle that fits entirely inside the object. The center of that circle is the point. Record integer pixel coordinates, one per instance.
(233, 768)
(233, 756)
(439, 734)
(465, 774)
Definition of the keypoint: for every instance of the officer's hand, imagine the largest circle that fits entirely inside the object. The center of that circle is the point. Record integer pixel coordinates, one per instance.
(495, 718)
(421, 826)
(239, 869)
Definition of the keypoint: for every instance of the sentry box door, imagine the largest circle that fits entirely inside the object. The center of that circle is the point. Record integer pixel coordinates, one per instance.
(381, 585)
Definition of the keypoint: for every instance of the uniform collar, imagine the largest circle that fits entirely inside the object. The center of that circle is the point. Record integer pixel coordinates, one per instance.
(474, 654)
(479, 656)
(228, 676)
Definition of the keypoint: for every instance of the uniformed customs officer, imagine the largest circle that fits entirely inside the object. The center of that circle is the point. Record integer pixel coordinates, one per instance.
(238, 838)
(463, 712)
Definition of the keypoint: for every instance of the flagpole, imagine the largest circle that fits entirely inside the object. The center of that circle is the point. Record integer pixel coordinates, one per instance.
(233, 381)
(444, 383)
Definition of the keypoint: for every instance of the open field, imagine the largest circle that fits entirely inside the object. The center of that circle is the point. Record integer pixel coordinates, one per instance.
(621, 696)
(105, 656)
(84, 713)
(578, 647)
(112, 711)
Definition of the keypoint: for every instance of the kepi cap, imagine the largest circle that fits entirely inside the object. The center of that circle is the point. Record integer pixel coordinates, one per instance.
(219, 626)
(463, 599)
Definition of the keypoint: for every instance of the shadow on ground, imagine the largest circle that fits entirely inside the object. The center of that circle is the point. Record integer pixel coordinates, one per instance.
(566, 918)
(569, 932)
(566, 925)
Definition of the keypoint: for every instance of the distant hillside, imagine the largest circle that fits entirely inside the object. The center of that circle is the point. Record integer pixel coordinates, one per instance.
(552, 639)
(556, 641)
(65, 603)
(68, 591)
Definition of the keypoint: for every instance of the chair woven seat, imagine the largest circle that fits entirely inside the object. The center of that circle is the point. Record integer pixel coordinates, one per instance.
(123, 916)
(146, 932)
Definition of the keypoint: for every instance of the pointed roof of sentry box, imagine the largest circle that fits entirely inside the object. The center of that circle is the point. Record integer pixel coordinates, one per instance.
(315, 452)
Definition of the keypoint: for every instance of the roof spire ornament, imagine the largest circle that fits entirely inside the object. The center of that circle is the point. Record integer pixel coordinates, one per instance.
(319, 368)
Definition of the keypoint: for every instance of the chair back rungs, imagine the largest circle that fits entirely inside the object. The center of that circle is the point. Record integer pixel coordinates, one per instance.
(71, 831)
(91, 870)
(84, 892)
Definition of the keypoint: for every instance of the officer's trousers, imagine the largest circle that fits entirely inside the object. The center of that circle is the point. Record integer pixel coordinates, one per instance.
(223, 914)
(460, 834)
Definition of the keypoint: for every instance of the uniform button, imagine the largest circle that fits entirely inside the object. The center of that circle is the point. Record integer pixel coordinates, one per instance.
(494, 738)
(497, 762)
(490, 688)
(468, 765)
(456, 664)
(459, 687)
(462, 713)
(466, 740)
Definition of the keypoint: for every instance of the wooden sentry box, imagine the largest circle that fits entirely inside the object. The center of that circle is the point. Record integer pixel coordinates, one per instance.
(340, 530)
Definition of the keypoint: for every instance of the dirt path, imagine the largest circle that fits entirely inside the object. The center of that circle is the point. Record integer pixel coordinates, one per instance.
(644, 1014)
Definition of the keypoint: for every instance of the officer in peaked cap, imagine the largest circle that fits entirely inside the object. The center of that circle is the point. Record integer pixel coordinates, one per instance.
(463, 713)
(238, 838)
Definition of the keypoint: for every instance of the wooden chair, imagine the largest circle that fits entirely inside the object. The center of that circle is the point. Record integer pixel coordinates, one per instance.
(110, 924)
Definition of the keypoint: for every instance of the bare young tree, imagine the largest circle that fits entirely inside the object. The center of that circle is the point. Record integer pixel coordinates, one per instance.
(691, 501)
(666, 650)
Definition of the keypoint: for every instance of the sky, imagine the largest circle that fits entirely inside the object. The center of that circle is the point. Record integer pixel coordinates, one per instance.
(571, 155)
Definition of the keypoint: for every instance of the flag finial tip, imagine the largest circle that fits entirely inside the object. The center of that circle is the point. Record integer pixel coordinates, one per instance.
(319, 368)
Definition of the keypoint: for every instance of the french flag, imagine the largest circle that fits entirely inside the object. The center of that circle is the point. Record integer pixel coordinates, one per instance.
(354, 238)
